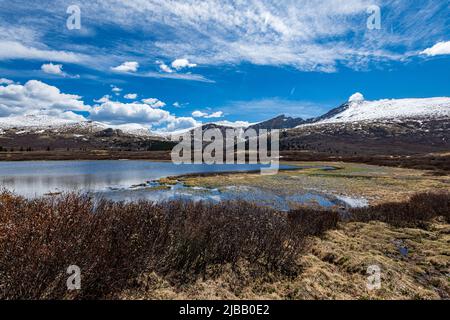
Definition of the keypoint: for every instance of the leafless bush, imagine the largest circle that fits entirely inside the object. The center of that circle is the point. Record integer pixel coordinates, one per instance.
(421, 207)
(113, 242)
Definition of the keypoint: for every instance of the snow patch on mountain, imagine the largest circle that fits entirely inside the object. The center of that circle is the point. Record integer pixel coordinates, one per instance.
(33, 121)
(36, 123)
(361, 110)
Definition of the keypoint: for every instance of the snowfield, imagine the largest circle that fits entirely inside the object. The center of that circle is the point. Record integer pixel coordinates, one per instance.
(33, 122)
(394, 109)
(39, 123)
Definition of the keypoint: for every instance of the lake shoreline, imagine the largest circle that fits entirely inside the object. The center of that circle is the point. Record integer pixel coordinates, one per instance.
(435, 163)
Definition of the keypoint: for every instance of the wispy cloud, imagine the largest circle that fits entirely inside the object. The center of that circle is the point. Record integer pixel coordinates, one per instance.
(10, 50)
(176, 76)
(307, 35)
(201, 114)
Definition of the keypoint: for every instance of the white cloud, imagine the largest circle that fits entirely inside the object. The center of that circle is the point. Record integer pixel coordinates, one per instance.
(180, 123)
(440, 48)
(5, 81)
(357, 97)
(55, 69)
(154, 103)
(116, 90)
(218, 114)
(130, 96)
(177, 76)
(128, 66)
(164, 67)
(179, 64)
(103, 99)
(10, 50)
(120, 113)
(307, 35)
(176, 104)
(34, 95)
(200, 114)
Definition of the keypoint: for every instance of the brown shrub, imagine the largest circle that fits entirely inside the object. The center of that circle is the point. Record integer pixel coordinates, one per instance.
(421, 207)
(113, 243)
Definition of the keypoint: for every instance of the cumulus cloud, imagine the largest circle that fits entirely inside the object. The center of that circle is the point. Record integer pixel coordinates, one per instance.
(53, 69)
(164, 67)
(5, 81)
(130, 96)
(440, 48)
(180, 123)
(356, 97)
(200, 114)
(103, 99)
(35, 95)
(179, 64)
(118, 113)
(154, 103)
(218, 114)
(116, 90)
(128, 66)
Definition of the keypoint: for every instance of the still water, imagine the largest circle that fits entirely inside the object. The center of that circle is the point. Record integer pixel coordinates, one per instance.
(132, 180)
(36, 178)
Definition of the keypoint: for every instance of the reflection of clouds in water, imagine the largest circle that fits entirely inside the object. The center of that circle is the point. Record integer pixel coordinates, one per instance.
(113, 179)
(35, 178)
(247, 193)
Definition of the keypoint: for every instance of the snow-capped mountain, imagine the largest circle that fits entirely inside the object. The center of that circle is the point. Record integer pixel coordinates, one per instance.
(383, 127)
(33, 121)
(387, 109)
(41, 123)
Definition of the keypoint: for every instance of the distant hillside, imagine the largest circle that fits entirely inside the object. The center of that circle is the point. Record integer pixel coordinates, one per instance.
(280, 122)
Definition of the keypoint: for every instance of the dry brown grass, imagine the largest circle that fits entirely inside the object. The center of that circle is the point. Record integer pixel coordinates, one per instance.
(334, 267)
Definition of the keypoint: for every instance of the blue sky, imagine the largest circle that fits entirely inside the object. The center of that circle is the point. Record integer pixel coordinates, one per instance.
(168, 65)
